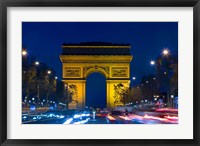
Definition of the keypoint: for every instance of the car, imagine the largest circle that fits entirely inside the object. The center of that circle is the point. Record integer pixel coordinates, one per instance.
(118, 117)
(85, 115)
(77, 117)
(112, 118)
(104, 113)
(98, 112)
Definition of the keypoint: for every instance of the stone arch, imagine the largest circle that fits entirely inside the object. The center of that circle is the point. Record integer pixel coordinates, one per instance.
(111, 60)
(96, 69)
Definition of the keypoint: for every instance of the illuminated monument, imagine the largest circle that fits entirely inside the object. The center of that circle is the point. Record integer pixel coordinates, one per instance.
(81, 60)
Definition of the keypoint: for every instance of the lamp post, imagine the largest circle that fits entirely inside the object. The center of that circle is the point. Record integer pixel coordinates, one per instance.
(165, 53)
(48, 73)
(25, 68)
(172, 100)
(37, 63)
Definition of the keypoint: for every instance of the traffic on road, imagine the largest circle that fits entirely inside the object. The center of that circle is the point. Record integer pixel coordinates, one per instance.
(120, 115)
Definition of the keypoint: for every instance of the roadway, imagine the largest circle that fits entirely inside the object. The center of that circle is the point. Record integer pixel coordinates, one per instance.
(164, 116)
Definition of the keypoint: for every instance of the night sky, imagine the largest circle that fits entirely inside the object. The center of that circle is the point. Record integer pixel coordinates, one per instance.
(148, 39)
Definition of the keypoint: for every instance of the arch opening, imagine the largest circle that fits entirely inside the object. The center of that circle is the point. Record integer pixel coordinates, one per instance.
(96, 69)
(96, 90)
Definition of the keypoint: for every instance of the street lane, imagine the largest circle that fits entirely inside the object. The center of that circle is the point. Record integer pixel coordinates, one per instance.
(161, 116)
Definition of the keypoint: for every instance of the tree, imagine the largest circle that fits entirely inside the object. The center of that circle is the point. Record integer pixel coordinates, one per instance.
(37, 83)
(167, 74)
(59, 91)
(174, 78)
(28, 81)
(149, 87)
(136, 94)
(131, 95)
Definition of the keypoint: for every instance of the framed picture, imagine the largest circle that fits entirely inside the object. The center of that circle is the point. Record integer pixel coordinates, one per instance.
(99, 72)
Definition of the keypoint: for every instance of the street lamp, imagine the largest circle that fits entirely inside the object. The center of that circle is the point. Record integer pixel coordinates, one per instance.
(165, 52)
(172, 100)
(49, 72)
(37, 63)
(24, 52)
(134, 78)
(56, 78)
(152, 62)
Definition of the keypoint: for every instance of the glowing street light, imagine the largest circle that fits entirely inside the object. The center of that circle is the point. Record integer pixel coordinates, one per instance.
(37, 63)
(152, 62)
(56, 78)
(24, 52)
(165, 52)
(134, 78)
(147, 81)
(49, 72)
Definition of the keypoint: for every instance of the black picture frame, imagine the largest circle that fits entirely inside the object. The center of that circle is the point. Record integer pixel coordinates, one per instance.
(98, 3)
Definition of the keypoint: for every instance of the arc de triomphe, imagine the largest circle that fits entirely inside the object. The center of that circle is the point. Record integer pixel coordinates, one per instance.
(80, 60)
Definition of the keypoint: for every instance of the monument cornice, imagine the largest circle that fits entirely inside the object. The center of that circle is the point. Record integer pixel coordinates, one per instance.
(95, 58)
